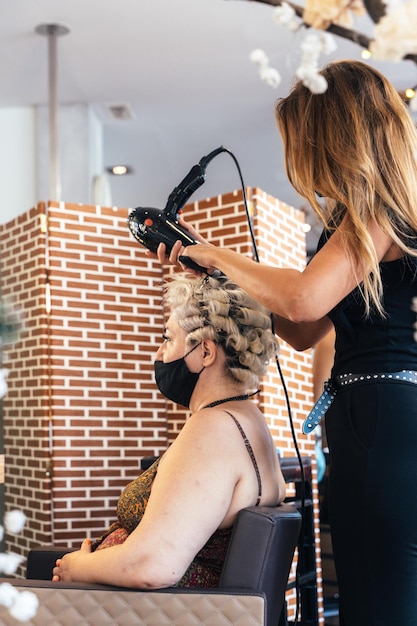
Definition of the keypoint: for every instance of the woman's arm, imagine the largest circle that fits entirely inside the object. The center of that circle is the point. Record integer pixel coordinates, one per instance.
(191, 497)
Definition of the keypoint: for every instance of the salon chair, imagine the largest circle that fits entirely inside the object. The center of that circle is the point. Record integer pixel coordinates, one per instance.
(251, 591)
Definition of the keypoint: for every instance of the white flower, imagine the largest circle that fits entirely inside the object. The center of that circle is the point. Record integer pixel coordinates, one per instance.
(8, 594)
(14, 521)
(3, 383)
(392, 5)
(395, 35)
(313, 44)
(259, 57)
(25, 606)
(317, 84)
(285, 15)
(328, 43)
(270, 76)
(10, 562)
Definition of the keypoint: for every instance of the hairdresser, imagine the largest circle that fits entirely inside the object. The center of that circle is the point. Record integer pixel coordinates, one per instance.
(175, 520)
(351, 152)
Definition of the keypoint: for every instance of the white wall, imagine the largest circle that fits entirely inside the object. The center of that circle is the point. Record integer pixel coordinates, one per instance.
(17, 162)
(24, 156)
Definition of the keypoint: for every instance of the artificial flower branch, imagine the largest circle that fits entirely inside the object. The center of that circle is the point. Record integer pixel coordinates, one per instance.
(341, 31)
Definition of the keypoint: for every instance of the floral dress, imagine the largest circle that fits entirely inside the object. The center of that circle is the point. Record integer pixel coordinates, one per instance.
(206, 567)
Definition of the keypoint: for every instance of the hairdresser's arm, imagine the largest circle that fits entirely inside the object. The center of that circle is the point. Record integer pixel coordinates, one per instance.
(300, 300)
(192, 496)
(304, 335)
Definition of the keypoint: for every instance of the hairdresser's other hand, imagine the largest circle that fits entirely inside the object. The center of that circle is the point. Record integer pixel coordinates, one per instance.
(65, 568)
(179, 250)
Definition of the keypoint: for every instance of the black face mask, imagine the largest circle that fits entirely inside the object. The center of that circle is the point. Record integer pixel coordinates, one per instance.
(175, 381)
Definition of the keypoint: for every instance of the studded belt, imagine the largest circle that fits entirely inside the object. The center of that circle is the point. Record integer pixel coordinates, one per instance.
(332, 385)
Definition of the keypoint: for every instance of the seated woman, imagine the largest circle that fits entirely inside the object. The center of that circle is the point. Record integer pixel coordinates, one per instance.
(175, 520)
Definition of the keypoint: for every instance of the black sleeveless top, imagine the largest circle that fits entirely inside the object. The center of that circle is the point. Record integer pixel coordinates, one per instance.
(375, 343)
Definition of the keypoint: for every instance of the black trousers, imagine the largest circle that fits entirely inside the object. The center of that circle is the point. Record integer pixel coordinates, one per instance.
(372, 437)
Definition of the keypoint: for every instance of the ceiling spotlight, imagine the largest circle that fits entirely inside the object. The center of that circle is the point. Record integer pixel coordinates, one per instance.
(410, 93)
(120, 170)
(366, 54)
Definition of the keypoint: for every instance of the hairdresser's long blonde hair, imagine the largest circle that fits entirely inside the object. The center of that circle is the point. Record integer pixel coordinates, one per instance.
(356, 145)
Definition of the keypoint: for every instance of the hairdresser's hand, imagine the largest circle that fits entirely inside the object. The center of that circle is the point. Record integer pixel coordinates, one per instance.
(177, 248)
(66, 568)
(202, 254)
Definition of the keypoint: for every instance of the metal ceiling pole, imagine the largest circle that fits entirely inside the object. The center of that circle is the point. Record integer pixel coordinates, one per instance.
(53, 31)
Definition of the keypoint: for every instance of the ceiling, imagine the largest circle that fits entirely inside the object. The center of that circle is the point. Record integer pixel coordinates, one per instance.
(183, 70)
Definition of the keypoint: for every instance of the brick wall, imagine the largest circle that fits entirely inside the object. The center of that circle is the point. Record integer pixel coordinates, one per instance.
(82, 408)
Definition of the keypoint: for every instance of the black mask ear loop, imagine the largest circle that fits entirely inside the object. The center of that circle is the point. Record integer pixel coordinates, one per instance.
(189, 352)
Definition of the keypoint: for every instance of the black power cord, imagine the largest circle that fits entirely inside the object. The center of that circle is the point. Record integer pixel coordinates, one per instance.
(301, 545)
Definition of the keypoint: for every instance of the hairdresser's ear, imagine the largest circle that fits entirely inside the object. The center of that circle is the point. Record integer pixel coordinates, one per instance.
(209, 349)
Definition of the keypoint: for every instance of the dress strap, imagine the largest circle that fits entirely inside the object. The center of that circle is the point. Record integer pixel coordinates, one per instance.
(251, 454)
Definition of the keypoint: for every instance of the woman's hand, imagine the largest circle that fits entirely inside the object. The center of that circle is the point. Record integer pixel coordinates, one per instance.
(66, 567)
(178, 249)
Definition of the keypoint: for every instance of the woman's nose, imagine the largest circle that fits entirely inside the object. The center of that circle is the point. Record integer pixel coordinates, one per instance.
(159, 353)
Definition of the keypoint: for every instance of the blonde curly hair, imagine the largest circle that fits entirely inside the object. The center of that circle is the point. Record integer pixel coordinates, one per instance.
(217, 309)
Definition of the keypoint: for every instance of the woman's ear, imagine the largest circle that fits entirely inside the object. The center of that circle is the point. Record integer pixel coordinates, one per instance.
(209, 351)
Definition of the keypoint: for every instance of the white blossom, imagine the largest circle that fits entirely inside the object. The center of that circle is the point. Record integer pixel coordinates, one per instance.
(22, 605)
(270, 76)
(312, 46)
(285, 15)
(3, 382)
(392, 5)
(25, 606)
(10, 562)
(8, 594)
(328, 43)
(259, 57)
(317, 84)
(14, 521)
(395, 35)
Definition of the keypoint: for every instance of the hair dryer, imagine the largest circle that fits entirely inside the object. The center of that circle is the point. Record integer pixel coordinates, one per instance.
(152, 226)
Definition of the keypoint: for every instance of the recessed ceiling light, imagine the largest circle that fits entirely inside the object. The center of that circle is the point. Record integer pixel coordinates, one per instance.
(120, 170)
